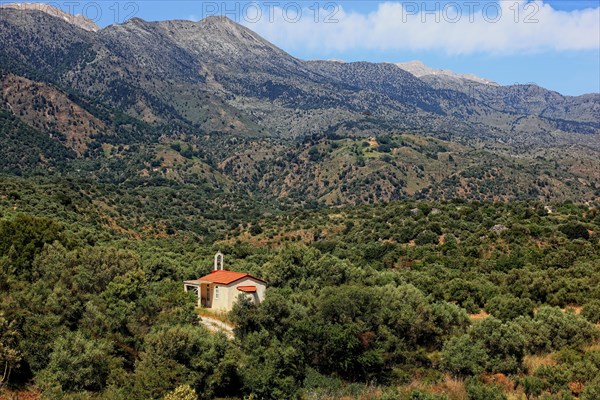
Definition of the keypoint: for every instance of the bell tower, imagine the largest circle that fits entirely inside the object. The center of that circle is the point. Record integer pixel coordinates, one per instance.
(218, 261)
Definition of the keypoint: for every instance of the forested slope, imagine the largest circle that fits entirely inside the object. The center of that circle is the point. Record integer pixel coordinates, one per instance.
(399, 301)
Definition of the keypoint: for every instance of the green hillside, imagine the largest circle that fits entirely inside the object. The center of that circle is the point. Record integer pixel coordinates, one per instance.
(404, 300)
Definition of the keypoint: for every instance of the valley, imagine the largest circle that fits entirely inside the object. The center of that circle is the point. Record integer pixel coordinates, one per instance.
(423, 234)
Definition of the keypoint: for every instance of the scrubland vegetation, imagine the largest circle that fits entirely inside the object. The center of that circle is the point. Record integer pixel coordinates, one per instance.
(407, 300)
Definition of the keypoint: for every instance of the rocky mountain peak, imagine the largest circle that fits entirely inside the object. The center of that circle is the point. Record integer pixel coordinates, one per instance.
(224, 30)
(77, 20)
(219, 21)
(215, 38)
(419, 69)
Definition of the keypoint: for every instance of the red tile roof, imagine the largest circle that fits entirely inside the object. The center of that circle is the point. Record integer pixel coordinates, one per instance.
(247, 289)
(224, 277)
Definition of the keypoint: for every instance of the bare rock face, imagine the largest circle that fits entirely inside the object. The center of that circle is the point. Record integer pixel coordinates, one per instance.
(418, 69)
(77, 20)
(216, 75)
(253, 118)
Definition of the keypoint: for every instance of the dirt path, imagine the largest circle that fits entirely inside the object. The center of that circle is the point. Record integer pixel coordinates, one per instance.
(214, 325)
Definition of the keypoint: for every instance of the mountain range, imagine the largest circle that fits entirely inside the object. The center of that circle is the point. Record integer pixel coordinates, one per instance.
(213, 103)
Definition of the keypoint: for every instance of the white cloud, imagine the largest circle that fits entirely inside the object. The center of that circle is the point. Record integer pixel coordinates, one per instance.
(493, 27)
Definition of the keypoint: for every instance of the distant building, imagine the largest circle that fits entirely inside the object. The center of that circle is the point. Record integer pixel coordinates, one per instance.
(220, 289)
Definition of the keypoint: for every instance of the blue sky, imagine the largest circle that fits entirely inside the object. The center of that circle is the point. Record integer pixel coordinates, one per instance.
(553, 43)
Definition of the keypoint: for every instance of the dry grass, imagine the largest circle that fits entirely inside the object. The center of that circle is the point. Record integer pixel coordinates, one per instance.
(369, 392)
(594, 346)
(479, 316)
(515, 396)
(218, 315)
(532, 363)
(29, 394)
(574, 309)
(500, 380)
(452, 387)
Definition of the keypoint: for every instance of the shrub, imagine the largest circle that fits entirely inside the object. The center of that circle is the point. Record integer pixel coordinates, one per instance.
(426, 237)
(183, 392)
(463, 356)
(591, 391)
(532, 386)
(78, 364)
(507, 307)
(256, 230)
(551, 329)
(591, 311)
(418, 395)
(554, 379)
(503, 342)
(477, 390)
(575, 231)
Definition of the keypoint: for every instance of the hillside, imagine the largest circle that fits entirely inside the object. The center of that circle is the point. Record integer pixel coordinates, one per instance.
(406, 300)
(264, 123)
(213, 106)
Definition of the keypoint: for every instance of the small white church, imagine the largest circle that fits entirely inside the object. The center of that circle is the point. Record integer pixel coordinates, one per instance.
(220, 289)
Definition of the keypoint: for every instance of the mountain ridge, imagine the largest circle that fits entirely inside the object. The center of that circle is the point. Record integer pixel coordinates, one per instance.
(74, 19)
(236, 61)
(419, 69)
(212, 101)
